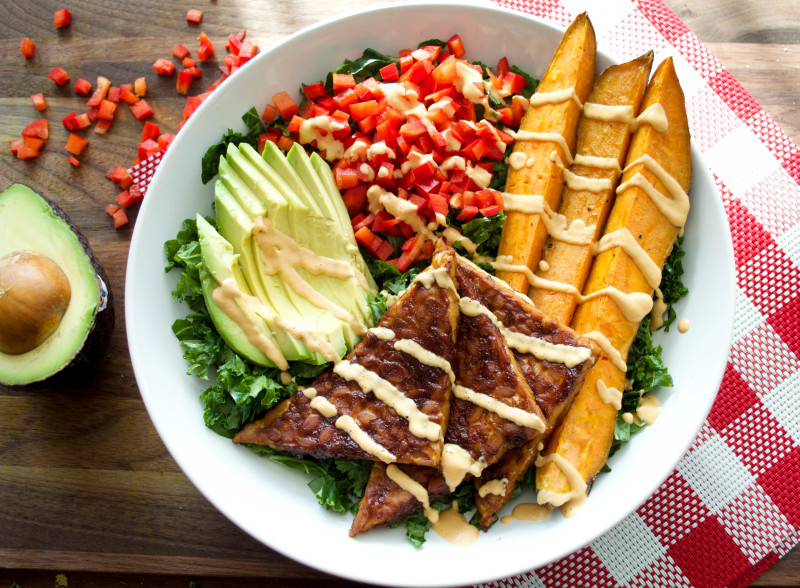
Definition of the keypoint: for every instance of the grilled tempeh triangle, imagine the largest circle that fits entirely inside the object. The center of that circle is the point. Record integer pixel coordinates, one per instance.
(381, 402)
(485, 363)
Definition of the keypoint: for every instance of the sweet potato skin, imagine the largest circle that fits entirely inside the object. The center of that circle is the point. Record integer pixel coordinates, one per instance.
(569, 263)
(586, 434)
(572, 66)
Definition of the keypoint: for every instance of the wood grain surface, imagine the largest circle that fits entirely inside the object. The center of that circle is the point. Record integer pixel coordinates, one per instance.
(87, 489)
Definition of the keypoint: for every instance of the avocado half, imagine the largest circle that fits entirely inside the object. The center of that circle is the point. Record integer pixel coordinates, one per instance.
(32, 222)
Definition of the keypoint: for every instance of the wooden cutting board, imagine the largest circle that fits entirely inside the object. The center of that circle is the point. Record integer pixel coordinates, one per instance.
(86, 486)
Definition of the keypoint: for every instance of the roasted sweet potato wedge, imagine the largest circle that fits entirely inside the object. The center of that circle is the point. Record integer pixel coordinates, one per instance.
(547, 127)
(601, 150)
(651, 206)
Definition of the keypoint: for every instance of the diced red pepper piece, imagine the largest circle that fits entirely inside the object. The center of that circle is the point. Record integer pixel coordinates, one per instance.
(130, 197)
(140, 87)
(75, 144)
(345, 98)
(369, 240)
(389, 72)
(362, 221)
(355, 199)
(285, 105)
(73, 160)
(70, 122)
(185, 79)
(180, 51)
(361, 110)
(141, 109)
(150, 131)
(467, 213)
(194, 15)
(346, 177)
(120, 218)
(248, 51)
(111, 209)
(59, 76)
(188, 62)
(100, 92)
(195, 72)
(38, 128)
(164, 67)
(81, 121)
(83, 86)
(117, 175)
(206, 49)
(406, 61)
(114, 94)
(62, 18)
(314, 91)
(106, 110)
(27, 47)
(513, 83)
(17, 144)
(30, 148)
(165, 140)
(38, 101)
(102, 126)
(147, 148)
(456, 46)
(269, 113)
(285, 143)
(342, 82)
(384, 250)
(234, 44)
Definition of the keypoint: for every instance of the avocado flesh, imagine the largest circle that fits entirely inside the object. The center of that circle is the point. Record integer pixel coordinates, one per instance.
(29, 222)
(236, 207)
(220, 263)
(321, 235)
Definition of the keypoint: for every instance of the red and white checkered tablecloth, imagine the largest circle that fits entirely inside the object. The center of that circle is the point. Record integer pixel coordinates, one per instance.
(731, 508)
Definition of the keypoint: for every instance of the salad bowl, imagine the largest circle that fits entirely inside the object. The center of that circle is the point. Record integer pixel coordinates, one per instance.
(272, 502)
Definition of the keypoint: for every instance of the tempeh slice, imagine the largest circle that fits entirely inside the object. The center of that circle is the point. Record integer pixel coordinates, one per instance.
(342, 415)
(600, 154)
(548, 126)
(651, 206)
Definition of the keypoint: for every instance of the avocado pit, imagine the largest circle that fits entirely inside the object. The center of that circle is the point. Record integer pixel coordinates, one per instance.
(34, 295)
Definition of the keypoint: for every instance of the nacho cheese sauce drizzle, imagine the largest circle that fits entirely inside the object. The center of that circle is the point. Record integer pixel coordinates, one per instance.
(577, 233)
(527, 511)
(570, 502)
(555, 97)
(382, 333)
(418, 422)
(281, 254)
(426, 357)
(364, 441)
(515, 415)
(417, 490)
(497, 487)
(456, 463)
(225, 296)
(454, 528)
(624, 239)
(683, 325)
(674, 208)
(654, 115)
(556, 138)
(649, 409)
(610, 396)
(539, 348)
(608, 349)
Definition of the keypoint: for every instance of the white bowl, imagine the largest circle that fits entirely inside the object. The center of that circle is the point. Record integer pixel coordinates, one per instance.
(272, 502)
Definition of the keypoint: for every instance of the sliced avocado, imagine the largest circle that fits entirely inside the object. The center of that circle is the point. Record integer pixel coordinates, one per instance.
(220, 263)
(237, 206)
(31, 222)
(275, 158)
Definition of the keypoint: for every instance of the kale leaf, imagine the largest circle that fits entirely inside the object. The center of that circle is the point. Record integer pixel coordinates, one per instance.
(210, 163)
(672, 287)
(370, 62)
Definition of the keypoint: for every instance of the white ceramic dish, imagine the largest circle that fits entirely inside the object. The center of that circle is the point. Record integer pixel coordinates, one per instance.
(272, 502)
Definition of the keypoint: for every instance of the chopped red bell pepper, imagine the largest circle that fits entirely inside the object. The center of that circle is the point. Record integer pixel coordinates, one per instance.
(185, 79)
(62, 18)
(343, 82)
(39, 128)
(29, 149)
(83, 86)
(140, 87)
(27, 47)
(194, 16)
(141, 109)
(286, 106)
(180, 51)
(206, 49)
(188, 62)
(389, 72)
(150, 131)
(456, 46)
(100, 92)
(147, 148)
(120, 217)
(127, 95)
(59, 76)
(74, 160)
(75, 144)
(163, 67)
(165, 140)
(38, 101)
(106, 110)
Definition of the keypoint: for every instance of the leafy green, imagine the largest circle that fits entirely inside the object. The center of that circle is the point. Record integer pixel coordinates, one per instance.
(672, 287)
(388, 277)
(365, 66)
(485, 232)
(531, 83)
(432, 42)
(210, 163)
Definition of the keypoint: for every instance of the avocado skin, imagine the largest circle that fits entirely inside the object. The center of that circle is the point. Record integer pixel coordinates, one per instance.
(79, 368)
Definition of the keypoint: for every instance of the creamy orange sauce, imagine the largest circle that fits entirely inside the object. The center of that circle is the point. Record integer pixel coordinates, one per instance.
(453, 527)
(527, 511)
(364, 441)
(497, 487)
(515, 415)
(576, 233)
(555, 97)
(321, 129)
(674, 207)
(456, 463)
(598, 162)
(683, 325)
(608, 349)
(659, 308)
(556, 138)
(570, 502)
(609, 395)
(624, 239)
(426, 357)
(649, 409)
